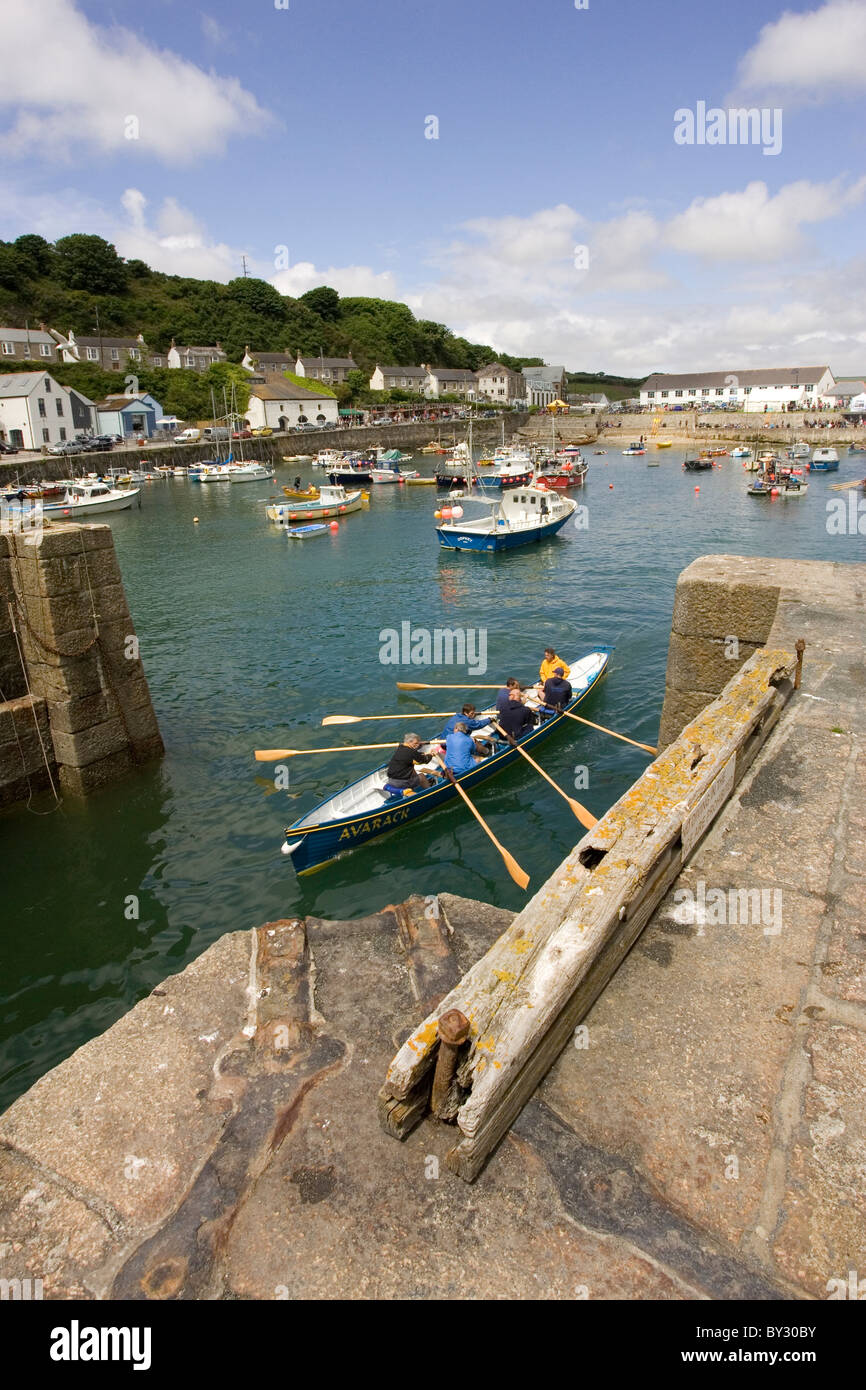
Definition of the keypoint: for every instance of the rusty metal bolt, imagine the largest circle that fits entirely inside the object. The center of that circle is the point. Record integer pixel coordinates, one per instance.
(799, 648)
(454, 1029)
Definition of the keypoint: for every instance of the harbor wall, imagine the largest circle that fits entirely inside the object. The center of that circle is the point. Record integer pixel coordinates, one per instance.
(774, 429)
(68, 641)
(727, 606)
(268, 449)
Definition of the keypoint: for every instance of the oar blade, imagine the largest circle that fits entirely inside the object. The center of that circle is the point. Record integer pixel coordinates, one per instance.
(520, 877)
(341, 719)
(585, 817)
(269, 755)
(413, 685)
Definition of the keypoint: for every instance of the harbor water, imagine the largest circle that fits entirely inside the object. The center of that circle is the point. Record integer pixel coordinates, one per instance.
(249, 639)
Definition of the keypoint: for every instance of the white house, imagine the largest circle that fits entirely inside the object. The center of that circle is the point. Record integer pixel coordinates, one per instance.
(34, 410)
(768, 388)
(196, 359)
(327, 369)
(267, 361)
(545, 384)
(450, 381)
(398, 379)
(280, 404)
(496, 382)
(843, 390)
(26, 344)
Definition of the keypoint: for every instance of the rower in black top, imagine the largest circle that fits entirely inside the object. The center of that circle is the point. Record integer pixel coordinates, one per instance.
(516, 719)
(557, 691)
(401, 769)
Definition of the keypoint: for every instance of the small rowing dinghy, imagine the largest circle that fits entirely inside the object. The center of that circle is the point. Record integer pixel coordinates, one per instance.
(300, 533)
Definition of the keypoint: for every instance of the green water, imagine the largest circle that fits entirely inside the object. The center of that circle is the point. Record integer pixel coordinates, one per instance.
(248, 640)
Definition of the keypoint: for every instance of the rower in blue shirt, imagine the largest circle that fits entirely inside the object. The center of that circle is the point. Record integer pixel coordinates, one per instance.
(467, 717)
(460, 753)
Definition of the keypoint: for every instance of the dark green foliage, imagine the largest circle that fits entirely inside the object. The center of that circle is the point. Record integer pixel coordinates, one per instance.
(89, 263)
(323, 301)
(255, 295)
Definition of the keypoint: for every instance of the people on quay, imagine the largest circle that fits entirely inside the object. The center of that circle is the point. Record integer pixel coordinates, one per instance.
(516, 719)
(504, 694)
(467, 716)
(549, 665)
(460, 754)
(400, 773)
(557, 691)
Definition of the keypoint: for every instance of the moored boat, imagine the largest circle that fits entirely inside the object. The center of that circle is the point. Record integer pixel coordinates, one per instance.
(303, 533)
(518, 517)
(332, 501)
(89, 499)
(825, 461)
(634, 449)
(251, 472)
(364, 810)
(698, 465)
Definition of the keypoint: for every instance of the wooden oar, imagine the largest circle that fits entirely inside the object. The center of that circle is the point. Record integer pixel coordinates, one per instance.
(361, 718)
(586, 818)
(419, 685)
(841, 487)
(511, 864)
(645, 746)
(269, 755)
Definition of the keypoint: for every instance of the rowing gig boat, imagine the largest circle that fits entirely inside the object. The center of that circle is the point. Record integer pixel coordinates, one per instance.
(363, 810)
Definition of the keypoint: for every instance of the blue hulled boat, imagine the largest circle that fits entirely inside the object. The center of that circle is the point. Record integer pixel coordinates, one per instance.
(517, 517)
(363, 810)
(825, 461)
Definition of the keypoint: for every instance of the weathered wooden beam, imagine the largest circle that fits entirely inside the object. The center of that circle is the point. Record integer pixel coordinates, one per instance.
(525, 996)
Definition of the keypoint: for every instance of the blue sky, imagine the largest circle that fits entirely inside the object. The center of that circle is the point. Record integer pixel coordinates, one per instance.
(304, 128)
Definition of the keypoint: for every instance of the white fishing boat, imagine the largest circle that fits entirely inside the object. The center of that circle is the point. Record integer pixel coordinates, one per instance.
(825, 461)
(392, 475)
(87, 499)
(217, 473)
(332, 501)
(328, 458)
(741, 452)
(251, 473)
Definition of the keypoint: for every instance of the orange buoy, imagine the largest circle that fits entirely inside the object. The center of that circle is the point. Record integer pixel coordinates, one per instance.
(697, 489)
(446, 513)
(437, 515)
(610, 485)
(335, 526)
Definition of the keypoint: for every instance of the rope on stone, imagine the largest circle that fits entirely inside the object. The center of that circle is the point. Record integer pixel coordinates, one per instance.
(57, 797)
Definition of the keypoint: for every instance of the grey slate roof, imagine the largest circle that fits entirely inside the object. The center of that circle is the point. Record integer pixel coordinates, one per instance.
(21, 383)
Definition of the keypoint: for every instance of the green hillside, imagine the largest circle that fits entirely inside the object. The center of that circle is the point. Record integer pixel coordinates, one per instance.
(66, 283)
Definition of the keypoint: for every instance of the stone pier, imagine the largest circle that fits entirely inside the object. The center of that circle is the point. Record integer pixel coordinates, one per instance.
(78, 705)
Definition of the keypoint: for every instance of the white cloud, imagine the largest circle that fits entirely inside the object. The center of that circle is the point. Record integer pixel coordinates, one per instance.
(72, 88)
(347, 280)
(813, 55)
(753, 225)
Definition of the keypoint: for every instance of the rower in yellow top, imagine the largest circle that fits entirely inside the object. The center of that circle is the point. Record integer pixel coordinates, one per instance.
(549, 665)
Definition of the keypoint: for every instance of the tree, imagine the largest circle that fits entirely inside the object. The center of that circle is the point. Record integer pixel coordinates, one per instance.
(90, 263)
(34, 253)
(256, 295)
(323, 301)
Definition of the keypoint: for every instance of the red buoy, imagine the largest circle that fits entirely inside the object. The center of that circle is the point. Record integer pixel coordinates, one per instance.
(335, 526)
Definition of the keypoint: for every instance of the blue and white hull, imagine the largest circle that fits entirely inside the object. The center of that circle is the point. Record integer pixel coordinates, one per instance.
(453, 538)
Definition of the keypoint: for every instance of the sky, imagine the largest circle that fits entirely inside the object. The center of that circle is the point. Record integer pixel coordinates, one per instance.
(528, 172)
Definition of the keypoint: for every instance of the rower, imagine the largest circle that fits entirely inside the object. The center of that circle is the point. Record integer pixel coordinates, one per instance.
(516, 719)
(298, 483)
(467, 717)
(504, 694)
(460, 755)
(400, 775)
(557, 692)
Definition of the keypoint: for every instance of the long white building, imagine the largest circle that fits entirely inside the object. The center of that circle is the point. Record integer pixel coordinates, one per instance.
(772, 388)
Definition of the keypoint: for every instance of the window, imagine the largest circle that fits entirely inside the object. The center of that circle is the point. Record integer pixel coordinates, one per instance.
(45, 349)
(115, 355)
(45, 437)
(809, 388)
(705, 391)
(8, 349)
(92, 354)
(41, 404)
(678, 393)
(58, 402)
(62, 434)
(134, 354)
(48, 383)
(664, 394)
(650, 395)
(692, 392)
(157, 361)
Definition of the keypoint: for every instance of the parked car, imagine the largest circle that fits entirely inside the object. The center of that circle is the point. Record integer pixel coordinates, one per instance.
(242, 434)
(66, 446)
(7, 448)
(189, 436)
(263, 430)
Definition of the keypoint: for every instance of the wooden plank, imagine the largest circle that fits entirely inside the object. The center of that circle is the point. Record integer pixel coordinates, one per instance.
(547, 969)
